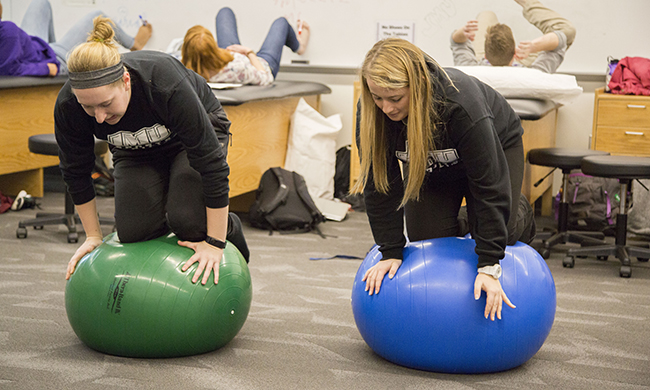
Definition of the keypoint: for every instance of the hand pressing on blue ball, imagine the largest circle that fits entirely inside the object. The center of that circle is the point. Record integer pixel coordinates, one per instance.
(208, 257)
(495, 295)
(375, 275)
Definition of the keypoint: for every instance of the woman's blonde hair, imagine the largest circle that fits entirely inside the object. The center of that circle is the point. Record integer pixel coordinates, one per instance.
(396, 63)
(99, 51)
(201, 54)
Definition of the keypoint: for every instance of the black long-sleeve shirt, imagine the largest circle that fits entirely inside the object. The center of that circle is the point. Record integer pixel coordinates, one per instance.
(477, 126)
(171, 109)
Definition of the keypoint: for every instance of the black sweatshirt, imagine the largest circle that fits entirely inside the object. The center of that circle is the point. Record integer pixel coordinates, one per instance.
(478, 125)
(171, 109)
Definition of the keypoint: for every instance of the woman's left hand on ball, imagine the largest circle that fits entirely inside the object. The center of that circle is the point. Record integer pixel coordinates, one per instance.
(89, 244)
(375, 275)
(495, 295)
(208, 257)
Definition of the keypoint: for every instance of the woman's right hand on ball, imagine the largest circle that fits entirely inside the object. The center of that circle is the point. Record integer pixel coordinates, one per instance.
(375, 275)
(85, 248)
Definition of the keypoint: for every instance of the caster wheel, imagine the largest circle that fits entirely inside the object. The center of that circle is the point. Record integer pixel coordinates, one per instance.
(546, 253)
(642, 259)
(626, 271)
(602, 258)
(38, 227)
(21, 232)
(568, 262)
(73, 238)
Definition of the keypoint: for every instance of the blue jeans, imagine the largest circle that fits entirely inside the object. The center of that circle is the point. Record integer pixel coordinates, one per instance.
(38, 21)
(280, 34)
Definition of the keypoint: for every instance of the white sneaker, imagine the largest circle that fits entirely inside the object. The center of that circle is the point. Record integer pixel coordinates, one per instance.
(18, 202)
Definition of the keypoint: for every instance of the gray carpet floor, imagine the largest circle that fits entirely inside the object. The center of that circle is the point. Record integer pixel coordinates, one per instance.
(300, 333)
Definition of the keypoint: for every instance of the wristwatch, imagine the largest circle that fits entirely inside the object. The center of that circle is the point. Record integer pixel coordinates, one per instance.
(492, 270)
(214, 242)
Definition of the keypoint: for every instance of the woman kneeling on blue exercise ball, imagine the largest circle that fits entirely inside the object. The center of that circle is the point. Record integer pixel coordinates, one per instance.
(168, 134)
(456, 138)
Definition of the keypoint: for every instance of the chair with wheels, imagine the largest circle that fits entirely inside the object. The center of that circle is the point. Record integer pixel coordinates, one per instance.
(46, 144)
(625, 169)
(566, 159)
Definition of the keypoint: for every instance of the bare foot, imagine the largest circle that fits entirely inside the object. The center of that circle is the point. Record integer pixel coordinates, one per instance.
(303, 36)
(142, 37)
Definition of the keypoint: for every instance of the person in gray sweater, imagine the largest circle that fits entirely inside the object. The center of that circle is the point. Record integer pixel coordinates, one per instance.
(485, 41)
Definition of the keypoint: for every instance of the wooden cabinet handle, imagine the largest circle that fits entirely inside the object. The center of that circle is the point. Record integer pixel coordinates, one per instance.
(635, 106)
(634, 133)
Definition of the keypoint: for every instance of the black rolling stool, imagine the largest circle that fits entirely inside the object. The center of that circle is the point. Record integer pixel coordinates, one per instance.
(46, 144)
(625, 169)
(567, 160)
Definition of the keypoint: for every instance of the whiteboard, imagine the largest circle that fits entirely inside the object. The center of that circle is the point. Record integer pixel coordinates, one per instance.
(344, 30)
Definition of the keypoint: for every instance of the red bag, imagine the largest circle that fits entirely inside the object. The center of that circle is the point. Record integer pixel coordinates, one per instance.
(5, 203)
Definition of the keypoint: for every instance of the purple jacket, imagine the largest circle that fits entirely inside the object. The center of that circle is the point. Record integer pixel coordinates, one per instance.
(23, 55)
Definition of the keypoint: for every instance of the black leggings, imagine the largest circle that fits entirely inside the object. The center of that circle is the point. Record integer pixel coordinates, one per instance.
(438, 213)
(153, 197)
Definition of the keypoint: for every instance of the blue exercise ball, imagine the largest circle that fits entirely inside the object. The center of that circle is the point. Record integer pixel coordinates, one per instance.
(426, 317)
(133, 300)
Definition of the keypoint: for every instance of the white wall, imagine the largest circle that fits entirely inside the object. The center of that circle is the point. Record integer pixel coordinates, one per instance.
(344, 30)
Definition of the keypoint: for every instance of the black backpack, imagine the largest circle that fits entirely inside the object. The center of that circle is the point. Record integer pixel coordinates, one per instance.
(283, 203)
(593, 202)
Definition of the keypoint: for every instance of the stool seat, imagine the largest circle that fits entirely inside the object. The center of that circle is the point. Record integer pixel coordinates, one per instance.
(625, 169)
(46, 144)
(619, 167)
(564, 158)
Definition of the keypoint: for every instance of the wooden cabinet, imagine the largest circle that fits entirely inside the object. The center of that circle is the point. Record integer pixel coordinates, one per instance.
(25, 111)
(621, 124)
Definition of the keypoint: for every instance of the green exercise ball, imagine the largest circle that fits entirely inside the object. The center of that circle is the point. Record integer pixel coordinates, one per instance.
(133, 300)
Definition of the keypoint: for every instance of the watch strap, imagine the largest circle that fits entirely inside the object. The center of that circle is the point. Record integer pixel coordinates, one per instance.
(214, 242)
(492, 270)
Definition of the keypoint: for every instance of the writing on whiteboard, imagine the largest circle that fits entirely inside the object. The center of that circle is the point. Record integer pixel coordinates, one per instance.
(441, 12)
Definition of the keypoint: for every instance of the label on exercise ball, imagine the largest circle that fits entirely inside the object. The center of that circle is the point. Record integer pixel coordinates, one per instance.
(116, 292)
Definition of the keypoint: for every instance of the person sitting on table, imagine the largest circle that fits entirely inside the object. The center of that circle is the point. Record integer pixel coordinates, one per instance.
(227, 61)
(485, 41)
(168, 134)
(33, 50)
(454, 138)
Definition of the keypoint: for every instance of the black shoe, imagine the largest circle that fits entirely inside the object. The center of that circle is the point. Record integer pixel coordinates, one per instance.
(236, 235)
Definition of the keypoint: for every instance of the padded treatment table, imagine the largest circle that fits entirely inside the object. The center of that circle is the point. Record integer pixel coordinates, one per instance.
(260, 119)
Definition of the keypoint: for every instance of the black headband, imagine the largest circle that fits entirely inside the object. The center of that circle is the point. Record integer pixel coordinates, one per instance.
(96, 78)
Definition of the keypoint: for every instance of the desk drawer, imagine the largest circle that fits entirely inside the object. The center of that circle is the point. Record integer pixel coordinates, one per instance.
(623, 141)
(624, 113)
